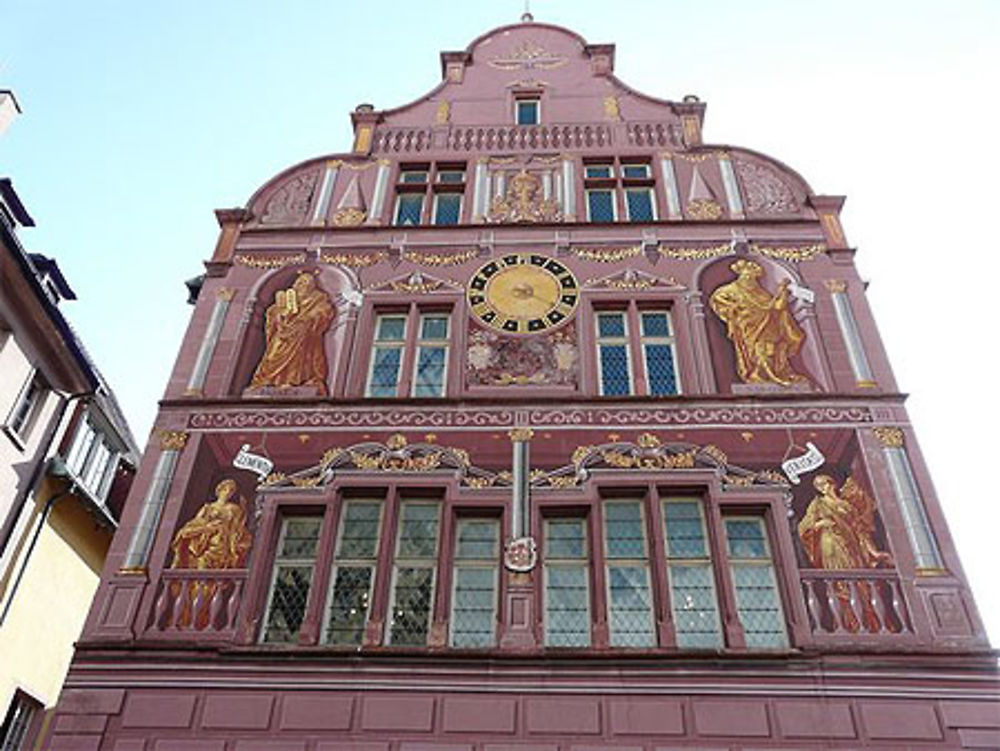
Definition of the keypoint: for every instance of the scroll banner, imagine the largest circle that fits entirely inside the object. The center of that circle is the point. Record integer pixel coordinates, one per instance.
(261, 465)
(799, 465)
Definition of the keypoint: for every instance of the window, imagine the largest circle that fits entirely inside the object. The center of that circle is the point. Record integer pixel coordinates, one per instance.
(603, 183)
(630, 601)
(474, 593)
(353, 575)
(690, 574)
(601, 205)
(414, 573)
(527, 111)
(93, 457)
(17, 722)
(439, 186)
(432, 356)
(757, 601)
(26, 408)
(639, 202)
(447, 208)
(612, 354)
(291, 579)
(409, 208)
(598, 171)
(451, 176)
(637, 171)
(413, 176)
(656, 352)
(393, 346)
(567, 583)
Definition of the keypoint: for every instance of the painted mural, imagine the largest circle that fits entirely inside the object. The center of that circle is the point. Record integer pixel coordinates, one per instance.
(497, 360)
(217, 537)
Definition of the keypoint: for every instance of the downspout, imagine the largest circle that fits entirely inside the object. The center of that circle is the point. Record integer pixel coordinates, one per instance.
(59, 469)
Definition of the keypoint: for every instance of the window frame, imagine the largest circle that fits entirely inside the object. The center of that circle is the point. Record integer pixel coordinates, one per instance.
(20, 718)
(409, 346)
(276, 561)
(648, 339)
(520, 99)
(26, 408)
(586, 561)
(420, 342)
(642, 560)
(81, 463)
(494, 566)
(376, 345)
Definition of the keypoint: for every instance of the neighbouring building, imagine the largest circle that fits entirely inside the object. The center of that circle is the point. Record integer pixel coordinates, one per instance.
(67, 459)
(532, 423)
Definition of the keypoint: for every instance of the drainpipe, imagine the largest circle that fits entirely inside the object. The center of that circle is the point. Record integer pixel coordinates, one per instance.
(60, 470)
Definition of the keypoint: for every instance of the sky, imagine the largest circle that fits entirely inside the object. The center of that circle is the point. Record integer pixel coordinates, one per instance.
(141, 118)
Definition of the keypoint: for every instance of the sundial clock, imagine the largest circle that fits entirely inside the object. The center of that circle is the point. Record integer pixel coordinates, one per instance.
(523, 293)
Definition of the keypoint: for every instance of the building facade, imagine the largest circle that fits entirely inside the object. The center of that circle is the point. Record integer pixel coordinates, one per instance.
(532, 422)
(67, 459)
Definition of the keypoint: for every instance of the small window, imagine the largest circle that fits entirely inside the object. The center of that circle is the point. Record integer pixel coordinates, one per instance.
(630, 600)
(387, 355)
(598, 171)
(567, 583)
(17, 722)
(639, 202)
(354, 573)
(757, 600)
(447, 208)
(601, 205)
(635, 171)
(612, 354)
(29, 402)
(409, 209)
(414, 574)
(411, 177)
(291, 580)
(432, 356)
(658, 352)
(473, 604)
(528, 111)
(451, 176)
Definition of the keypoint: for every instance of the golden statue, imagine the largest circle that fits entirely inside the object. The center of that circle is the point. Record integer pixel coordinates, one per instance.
(215, 538)
(294, 328)
(764, 334)
(837, 533)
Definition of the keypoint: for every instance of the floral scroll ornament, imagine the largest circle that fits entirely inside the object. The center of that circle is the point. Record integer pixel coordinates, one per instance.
(523, 203)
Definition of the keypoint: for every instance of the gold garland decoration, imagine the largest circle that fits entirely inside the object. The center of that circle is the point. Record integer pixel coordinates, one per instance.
(607, 254)
(695, 158)
(440, 259)
(353, 260)
(269, 262)
(795, 254)
(695, 254)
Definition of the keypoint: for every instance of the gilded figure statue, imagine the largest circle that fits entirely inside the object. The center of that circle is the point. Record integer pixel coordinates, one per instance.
(837, 533)
(295, 325)
(524, 202)
(763, 332)
(215, 538)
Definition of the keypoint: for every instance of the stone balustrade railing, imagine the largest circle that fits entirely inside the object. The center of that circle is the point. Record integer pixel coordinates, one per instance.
(198, 601)
(855, 603)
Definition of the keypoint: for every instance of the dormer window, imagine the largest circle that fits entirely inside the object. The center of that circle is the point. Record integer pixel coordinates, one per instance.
(528, 110)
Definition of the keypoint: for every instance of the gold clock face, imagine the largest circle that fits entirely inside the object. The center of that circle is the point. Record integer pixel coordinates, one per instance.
(523, 293)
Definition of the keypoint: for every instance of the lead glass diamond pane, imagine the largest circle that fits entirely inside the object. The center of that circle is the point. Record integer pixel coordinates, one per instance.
(359, 537)
(412, 606)
(300, 538)
(567, 606)
(288, 604)
(410, 208)
(640, 205)
(692, 594)
(623, 530)
(385, 371)
(615, 379)
(564, 538)
(418, 531)
(685, 529)
(391, 328)
(746, 538)
(655, 324)
(472, 611)
(349, 605)
(477, 540)
(449, 209)
(430, 371)
(630, 619)
(610, 325)
(759, 606)
(635, 171)
(434, 327)
(601, 205)
(660, 369)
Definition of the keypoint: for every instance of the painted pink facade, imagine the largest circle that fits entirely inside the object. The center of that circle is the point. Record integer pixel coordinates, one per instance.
(532, 423)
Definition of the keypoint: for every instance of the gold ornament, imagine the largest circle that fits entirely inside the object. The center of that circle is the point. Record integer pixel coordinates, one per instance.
(889, 437)
(523, 203)
(173, 440)
(523, 293)
(704, 209)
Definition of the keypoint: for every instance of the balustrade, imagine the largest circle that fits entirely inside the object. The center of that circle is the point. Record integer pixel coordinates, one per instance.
(198, 601)
(850, 603)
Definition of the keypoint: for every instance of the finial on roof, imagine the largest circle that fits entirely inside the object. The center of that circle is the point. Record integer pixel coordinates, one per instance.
(526, 17)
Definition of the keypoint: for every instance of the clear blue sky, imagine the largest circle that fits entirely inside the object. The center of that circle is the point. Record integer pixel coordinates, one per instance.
(140, 118)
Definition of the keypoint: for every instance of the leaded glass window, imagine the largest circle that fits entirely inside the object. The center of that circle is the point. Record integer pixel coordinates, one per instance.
(601, 205)
(291, 580)
(757, 600)
(411, 176)
(452, 176)
(639, 202)
(432, 355)
(354, 572)
(410, 208)
(691, 576)
(630, 602)
(387, 355)
(473, 604)
(658, 352)
(635, 171)
(598, 171)
(567, 583)
(414, 574)
(447, 208)
(613, 357)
